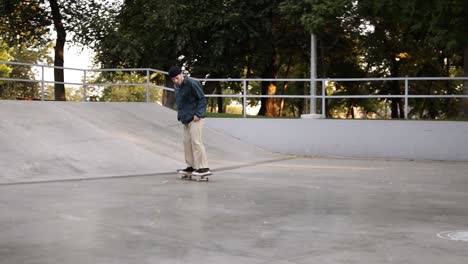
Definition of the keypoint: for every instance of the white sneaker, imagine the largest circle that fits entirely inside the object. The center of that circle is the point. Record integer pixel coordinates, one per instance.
(202, 172)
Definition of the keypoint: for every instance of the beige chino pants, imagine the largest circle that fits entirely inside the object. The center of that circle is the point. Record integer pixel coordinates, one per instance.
(195, 154)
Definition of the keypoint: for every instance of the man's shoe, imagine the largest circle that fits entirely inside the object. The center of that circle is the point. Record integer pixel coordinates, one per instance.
(202, 172)
(187, 170)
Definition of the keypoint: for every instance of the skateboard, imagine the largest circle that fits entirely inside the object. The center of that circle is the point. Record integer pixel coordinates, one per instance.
(191, 177)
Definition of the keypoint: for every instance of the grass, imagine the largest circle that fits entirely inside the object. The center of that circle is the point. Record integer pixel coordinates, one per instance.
(225, 115)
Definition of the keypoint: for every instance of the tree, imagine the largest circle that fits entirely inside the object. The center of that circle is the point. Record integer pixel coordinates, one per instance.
(122, 93)
(59, 50)
(384, 38)
(210, 38)
(414, 38)
(5, 70)
(200, 35)
(271, 39)
(28, 21)
(339, 50)
(24, 54)
(448, 24)
(24, 23)
(141, 39)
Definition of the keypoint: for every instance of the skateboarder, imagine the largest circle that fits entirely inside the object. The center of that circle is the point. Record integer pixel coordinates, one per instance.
(191, 109)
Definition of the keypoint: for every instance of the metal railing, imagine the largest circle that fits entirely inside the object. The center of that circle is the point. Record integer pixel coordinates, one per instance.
(85, 83)
(244, 95)
(324, 95)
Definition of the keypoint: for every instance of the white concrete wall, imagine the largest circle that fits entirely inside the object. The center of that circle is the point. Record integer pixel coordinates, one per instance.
(418, 140)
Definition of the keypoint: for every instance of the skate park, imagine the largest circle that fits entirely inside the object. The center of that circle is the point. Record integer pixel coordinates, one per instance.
(336, 132)
(96, 183)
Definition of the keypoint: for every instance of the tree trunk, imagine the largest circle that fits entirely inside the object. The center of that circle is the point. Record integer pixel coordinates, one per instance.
(350, 113)
(394, 108)
(168, 97)
(211, 88)
(268, 106)
(450, 102)
(285, 86)
(463, 112)
(402, 108)
(59, 48)
(271, 107)
(285, 89)
(219, 100)
(396, 105)
(398, 108)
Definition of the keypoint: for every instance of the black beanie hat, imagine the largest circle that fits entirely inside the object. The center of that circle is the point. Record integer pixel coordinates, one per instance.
(174, 71)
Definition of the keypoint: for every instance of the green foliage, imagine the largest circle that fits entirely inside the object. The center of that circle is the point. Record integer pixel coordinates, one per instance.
(12, 90)
(89, 20)
(416, 38)
(28, 22)
(123, 93)
(269, 39)
(5, 70)
(24, 23)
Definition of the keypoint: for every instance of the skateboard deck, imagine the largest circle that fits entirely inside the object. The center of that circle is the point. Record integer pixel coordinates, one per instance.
(191, 177)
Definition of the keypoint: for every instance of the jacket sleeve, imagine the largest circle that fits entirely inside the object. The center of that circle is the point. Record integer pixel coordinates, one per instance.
(201, 99)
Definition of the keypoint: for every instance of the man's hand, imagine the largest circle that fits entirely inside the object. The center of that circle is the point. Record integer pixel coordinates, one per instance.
(196, 118)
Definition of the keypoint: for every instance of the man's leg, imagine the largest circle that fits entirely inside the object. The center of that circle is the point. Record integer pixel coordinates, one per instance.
(198, 148)
(188, 146)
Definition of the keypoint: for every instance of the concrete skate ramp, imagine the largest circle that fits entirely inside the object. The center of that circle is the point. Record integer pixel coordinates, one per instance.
(258, 208)
(68, 140)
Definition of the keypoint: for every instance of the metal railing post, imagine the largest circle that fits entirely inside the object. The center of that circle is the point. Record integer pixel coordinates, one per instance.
(406, 98)
(147, 86)
(324, 84)
(312, 98)
(42, 83)
(85, 86)
(244, 97)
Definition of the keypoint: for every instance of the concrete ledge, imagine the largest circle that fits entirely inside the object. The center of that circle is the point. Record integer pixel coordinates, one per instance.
(311, 116)
(388, 139)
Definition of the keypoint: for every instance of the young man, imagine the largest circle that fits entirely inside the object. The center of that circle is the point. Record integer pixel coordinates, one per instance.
(191, 109)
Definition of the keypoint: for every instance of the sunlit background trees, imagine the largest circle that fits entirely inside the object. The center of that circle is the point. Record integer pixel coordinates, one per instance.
(251, 39)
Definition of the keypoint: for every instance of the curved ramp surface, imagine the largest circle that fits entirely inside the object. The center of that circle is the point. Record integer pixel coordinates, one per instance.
(68, 140)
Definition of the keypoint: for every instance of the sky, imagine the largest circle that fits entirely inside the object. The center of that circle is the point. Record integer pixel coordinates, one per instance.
(75, 57)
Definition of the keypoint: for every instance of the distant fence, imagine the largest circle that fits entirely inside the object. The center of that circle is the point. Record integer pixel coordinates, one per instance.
(244, 95)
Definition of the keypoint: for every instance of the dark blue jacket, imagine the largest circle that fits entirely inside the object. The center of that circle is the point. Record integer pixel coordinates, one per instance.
(190, 100)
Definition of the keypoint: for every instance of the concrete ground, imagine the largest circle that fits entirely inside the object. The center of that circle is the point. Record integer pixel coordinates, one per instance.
(258, 207)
